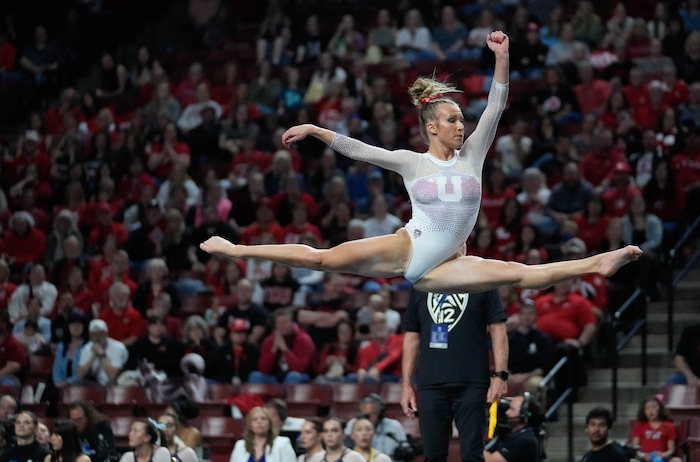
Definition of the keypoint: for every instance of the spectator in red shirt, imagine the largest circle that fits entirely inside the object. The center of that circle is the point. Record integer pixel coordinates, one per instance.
(265, 224)
(592, 286)
(686, 167)
(379, 360)
(29, 153)
(118, 272)
(339, 358)
(636, 91)
(13, 357)
(494, 195)
(287, 354)
(249, 157)
(8, 55)
(617, 198)
(596, 165)
(73, 257)
(654, 431)
(106, 227)
(125, 324)
(592, 93)
(677, 91)
(131, 185)
(593, 222)
(647, 115)
(84, 298)
(162, 157)
(23, 242)
(300, 225)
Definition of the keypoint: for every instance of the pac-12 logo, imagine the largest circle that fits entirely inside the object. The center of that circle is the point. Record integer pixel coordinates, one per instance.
(447, 308)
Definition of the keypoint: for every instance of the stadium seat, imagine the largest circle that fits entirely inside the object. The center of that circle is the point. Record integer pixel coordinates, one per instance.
(347, 396)
(220, 433)
(40, 369)
(94, 395)
(125, 401)
(306, 399)
(265, 390)
(219, 392)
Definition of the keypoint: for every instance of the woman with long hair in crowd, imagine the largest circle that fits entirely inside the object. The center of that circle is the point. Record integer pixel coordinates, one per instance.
(654, 432)
(425, 250)
(64, 443)
(261, 442)
(334, 444)
(310, 438)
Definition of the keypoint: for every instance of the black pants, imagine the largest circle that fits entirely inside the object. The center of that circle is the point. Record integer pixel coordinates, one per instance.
(438, 407)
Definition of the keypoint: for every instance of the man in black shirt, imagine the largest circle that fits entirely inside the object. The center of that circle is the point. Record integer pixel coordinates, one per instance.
(449, 334)
(687, 359)
(521, 442)
(26, 447)
(255, 315)
(598, 425)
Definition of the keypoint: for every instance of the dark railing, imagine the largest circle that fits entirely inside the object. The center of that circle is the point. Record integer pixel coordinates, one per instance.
(638, 296)
(564, 396)
(671, 282)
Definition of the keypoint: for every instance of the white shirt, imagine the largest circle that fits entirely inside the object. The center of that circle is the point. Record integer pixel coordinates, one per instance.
(117, 354)
(419, 39)
(389, 225)
(192, 115)
(505, 147)
(281, 451)
(160, 454)
(17, 306)
(348, 456)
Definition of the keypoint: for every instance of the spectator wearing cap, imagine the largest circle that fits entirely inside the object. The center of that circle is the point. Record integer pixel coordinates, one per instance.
(253, 314)
(125, 323)
(212, 225)
(265, 223)
(36, 286)
(43, 323)
(617, 198)
(102, 358)
(24, 243)
(287, 355)
(105, 228)
(237, 357)
(531, 351)
(13, 357)
(528, 56)
(68, 350)
(597, 164)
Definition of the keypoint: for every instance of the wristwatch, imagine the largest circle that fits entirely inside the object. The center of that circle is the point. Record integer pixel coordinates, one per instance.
(503, 375)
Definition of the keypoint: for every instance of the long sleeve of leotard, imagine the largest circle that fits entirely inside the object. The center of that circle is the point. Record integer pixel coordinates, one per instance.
(478, 143)
(401, 161)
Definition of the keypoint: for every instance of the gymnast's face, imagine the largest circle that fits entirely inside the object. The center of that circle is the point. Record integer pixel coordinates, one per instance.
(449, 126)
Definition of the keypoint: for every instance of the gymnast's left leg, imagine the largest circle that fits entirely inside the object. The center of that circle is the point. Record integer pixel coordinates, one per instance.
(475, 274)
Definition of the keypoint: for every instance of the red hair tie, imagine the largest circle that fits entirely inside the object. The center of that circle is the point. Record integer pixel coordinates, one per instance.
(427, 99)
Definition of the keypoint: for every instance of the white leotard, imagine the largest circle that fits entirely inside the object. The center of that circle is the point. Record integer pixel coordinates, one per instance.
(445, 195)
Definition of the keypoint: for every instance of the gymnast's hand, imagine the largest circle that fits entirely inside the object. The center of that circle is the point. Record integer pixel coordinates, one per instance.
(295, 134)
(497, 41)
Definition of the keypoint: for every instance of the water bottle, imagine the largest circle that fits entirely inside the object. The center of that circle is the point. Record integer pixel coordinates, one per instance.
(655, 458)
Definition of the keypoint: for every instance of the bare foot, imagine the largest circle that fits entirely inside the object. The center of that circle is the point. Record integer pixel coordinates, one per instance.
(616, 259)
(218, 245)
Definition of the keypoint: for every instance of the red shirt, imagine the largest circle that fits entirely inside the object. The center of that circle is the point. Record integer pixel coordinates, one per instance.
(592, 234)
(593, 95)
(617, 200)
(253, 231)
(130, 188)
(293, 233)
(18, 166)
(6, 291)
(593, 287)
(125, 325)
(331, 349)
(677, 95)
(100, 270)
(26, 249)
(686, 166)
(7, 56)
(12, 350)
(162, 172)
(98, 235)
(654, 439)
(84, 299)
(299, 356)
(636, 96)
(595, 166)
(565, 319)
(390, 364)
(242, 162)
(647, 116)
(491, 204)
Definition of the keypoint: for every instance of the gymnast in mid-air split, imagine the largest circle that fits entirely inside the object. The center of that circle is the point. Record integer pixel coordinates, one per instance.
(444, 186)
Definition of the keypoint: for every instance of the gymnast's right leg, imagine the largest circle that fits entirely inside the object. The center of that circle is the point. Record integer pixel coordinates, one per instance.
(383, 256)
